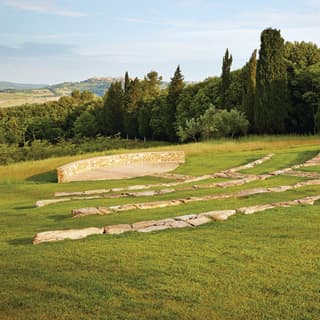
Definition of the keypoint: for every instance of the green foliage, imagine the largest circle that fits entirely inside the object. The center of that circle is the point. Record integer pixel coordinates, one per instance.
(214, 123)
(86, 125)
(225, 79)
(174, 91)
(306, 100)
(300, 55)
(249, 87)
(271, 99)
(112, 111)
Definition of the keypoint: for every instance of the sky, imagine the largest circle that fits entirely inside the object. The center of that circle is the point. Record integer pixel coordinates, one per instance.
(54, 41)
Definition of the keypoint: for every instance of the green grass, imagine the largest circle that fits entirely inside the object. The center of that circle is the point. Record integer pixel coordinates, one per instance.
(261, 266)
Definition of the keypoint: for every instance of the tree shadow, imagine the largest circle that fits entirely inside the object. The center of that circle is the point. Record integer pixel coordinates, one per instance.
(20, 242)
(49, 176)
(58, 217)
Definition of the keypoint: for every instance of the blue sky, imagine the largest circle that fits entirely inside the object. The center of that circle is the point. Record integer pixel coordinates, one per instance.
(70, 40)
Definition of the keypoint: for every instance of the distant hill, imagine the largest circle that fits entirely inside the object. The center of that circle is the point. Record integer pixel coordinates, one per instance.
(96, 85)
(15, 94)
(5, 85)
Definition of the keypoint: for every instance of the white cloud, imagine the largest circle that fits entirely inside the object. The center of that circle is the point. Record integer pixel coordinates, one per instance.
(48, 7)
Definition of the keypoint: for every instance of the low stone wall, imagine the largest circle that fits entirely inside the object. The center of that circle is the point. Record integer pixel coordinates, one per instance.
(66, 172)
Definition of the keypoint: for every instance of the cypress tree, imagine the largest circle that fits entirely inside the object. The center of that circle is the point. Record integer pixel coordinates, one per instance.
(126, 82)
(225, 79)
(249, 88)
(271, 101)
(175, 89)
(112, 111)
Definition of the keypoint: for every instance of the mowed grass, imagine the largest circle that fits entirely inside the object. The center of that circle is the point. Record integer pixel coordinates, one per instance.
(261, 266)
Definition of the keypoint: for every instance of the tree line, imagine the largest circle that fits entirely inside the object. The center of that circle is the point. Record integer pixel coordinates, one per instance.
(277, 91)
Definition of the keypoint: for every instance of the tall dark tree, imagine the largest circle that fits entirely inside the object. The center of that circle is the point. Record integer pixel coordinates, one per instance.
(225, 79)
(174, 91)
(249, 88)
(113, 109)
(271, 100)
(126, 82)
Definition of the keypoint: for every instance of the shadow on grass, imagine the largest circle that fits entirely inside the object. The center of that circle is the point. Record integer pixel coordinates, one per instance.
(58, 217)
(49, 176)
(24, 208)
(20, 242)
(305, 156)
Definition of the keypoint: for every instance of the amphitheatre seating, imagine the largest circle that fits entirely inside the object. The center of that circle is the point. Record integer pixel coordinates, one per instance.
(191, 220)
(120, 166)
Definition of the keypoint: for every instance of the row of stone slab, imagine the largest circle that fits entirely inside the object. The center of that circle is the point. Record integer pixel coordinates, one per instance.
(192, 220)
(104, 193)
(176, 202)
(230, 173)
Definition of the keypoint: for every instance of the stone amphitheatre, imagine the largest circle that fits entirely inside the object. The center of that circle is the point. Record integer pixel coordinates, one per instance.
(160, 164)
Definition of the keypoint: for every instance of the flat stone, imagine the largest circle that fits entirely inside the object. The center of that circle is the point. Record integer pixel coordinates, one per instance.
(199, 221)
(59, 235)
(286, 203)
(154, 228)
(68, 194)
(155, 204)
(97, 191)
(185, 217)
(104, 210)
(85, 211)
(164, 221)
(253, 209)
(47, 202)
(245, 193)
(280, 188)
(143, 224)
(117, 229)
(142, 193)
(138, 187)
(179, 224)
(127, 207)
(219, 215)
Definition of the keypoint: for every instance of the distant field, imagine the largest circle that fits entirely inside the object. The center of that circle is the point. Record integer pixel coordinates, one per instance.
(12, 99)
(249, 267)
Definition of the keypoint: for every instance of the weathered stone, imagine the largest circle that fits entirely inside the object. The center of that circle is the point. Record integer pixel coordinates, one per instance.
(85, 211)
(219, 215)
(59, 235)
(179, 224)
(253, 209)
(153, 205)
(286, 203)
(43, 203)
(164, 221)
(282, 171)
(280, 189)
(185, 217)
(143, 224)
(68, 194)
(154, 228)
(148, 193)
(97, 191)
(104, 210)
(138, 187)
(199, 221)
(117, 229)
(126, 207)
(249, 192)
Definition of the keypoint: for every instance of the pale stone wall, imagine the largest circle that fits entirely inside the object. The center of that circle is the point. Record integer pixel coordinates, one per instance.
(66, 172)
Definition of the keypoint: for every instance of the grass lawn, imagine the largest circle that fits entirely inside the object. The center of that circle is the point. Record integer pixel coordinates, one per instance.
(261, 266)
